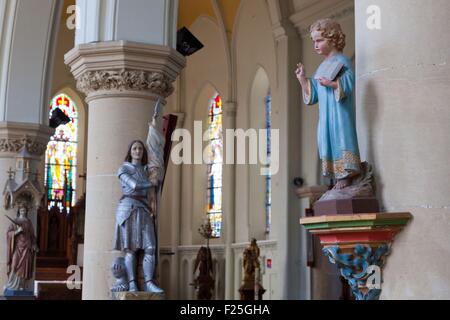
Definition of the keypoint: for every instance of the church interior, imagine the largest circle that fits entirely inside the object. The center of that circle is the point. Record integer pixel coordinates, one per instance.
(107, 64)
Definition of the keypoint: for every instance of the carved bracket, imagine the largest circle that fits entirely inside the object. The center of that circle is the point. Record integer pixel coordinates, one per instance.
(362, 268)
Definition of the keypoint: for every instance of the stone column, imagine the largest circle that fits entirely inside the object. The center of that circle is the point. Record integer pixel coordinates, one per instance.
(13, 137)
(122, 81)
(403, 115)
(177, 212)
(229, 208)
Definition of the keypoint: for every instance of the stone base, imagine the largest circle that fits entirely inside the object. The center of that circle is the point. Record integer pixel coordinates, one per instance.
(140, 295)
(346, 206)
(247, 291)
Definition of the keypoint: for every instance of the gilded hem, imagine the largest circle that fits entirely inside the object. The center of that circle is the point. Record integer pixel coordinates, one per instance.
(345, 167)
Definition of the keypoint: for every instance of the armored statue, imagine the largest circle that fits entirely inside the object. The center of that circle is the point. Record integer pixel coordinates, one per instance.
(141, 177)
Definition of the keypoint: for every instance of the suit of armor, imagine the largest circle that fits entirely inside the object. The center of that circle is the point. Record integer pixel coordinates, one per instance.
(135, 226)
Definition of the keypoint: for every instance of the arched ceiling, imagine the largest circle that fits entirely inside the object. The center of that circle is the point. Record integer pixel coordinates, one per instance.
(190, 10)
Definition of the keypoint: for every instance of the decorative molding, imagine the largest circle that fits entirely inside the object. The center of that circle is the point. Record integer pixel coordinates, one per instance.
(15, 145)
(230, 109)
(155, 82)
(262, 244)
(14, 136)
(124, 68)
(193, 250)
(358, 244)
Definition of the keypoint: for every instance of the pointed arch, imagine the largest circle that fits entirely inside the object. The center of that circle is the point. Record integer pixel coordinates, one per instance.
(207, 177)
(259, 102)
(61, 154)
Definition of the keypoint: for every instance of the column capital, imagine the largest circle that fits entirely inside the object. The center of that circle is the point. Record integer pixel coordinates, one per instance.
(15, 135)
(124, 68)
(230, 108)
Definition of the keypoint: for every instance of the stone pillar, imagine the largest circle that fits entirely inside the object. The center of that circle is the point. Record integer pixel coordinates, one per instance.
(13, 137)
(122, 81)
(229, 208)
(176, 211)
(403, 115)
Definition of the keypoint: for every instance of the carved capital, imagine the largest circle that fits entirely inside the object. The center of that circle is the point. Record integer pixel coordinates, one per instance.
(124, 68)
(14, 145)
(137, 80)
(14, 136)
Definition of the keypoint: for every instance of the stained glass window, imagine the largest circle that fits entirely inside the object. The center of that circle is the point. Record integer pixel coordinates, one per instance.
(214, 163)
(268, 105)
(61, 157)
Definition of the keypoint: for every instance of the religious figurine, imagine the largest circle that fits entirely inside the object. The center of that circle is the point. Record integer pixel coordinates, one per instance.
(141, 176)
(21, 250)
(252, 279)
(205, 280)
(251, 261)
(337, 139)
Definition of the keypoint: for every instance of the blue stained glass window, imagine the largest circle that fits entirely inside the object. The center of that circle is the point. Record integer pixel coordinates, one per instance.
(215, 152)
(268, 204)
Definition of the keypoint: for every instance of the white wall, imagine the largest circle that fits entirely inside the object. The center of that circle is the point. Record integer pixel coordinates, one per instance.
(27, 48)
(109, 20)
(206, 74)
(257, 182)
(402, 92)
(256, 70)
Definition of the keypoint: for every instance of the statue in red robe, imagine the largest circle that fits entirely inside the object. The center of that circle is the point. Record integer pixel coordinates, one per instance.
(21, 241)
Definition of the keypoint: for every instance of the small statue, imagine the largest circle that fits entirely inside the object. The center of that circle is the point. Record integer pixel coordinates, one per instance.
(251, 288)
(251, 261)
(21, 241)
(141, 177)
(337, 138)
(205, 280)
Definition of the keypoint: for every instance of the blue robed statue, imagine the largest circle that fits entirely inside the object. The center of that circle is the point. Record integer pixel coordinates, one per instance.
(332, 86)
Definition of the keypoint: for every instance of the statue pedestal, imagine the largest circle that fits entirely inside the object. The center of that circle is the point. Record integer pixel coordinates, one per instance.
(248, 290)
(140, 295)
(359, 245)
(346, 206)
(19, 295)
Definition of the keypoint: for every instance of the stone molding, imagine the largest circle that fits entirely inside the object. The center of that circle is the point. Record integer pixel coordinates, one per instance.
(262, 244)
(156, 82)
(230, 109)
(14, 136)
(124, 67)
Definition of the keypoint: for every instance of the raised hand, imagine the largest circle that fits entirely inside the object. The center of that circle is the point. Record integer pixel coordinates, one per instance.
(19, 229)
(300, 71)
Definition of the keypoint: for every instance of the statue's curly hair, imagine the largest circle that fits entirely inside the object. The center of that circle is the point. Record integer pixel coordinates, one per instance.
(331, 30)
